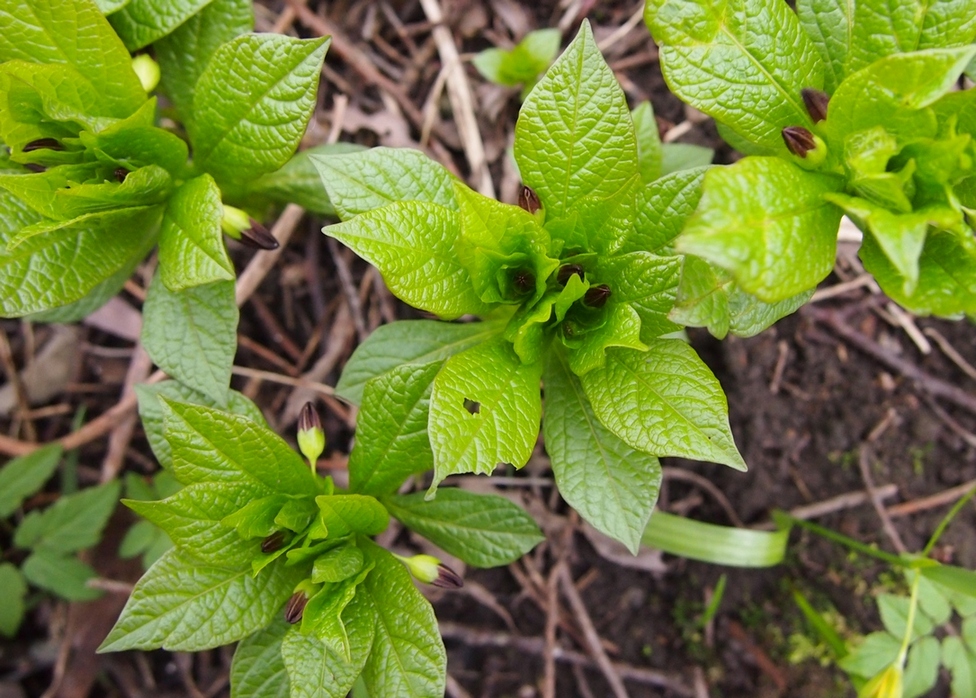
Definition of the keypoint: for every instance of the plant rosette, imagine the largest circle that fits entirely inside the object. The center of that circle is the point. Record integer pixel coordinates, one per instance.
(574, 288)
(842, 109)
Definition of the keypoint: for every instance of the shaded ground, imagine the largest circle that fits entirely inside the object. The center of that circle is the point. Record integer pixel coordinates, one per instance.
(807, 399)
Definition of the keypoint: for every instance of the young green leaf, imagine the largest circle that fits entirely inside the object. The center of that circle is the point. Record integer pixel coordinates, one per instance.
(258, 669)
(72, 523)
(13, 588)
(343, 514)
(61, 574)
(574, 136)
(663, 206)
(773, 60)
(191, 334)
(141, 22)
(611, 485)
(408, 659)
(676, 157)
(484, 410)
(359, 182)
(182, 605)
(766, 220)
(877, 651)
(922, 668)
(649, 151)
(521, 64)
(829, 24)
(391, 430)
(959, 656)
(664, 402)
(648, 284)
(191, 245)
(258, 89)
(337, 565)
(412, 244)
(408, 342)
(482, 530)
(22, 477)
(185, 52)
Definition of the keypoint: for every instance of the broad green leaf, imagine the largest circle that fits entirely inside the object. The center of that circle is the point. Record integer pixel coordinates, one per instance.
(213, 446)
(134, 145)
(922, 669)
(612, 486)
(523, 63)
(618, 325)
(192, 334)
(252, 104)
(894, 611)
(138, 539)
(151, 411)
(408, 658)
(72, 523)
(946, 274)
(482, 530)
(13, 588)
(718, 545)
(957, 579)
(182, 605)
(766, 220)
(829, 24)
(742, 62)
(258, 669)
(22, 477)
(185, 53)
(359, 182)
(574, 136)
(323, 613)
(412, 245)
(649, 151)
(484, 410)
(645, 282)
(663, 206)
(61, 574)
(408, 342)
(191, 244)
(337, 564)
(665, 402)
(314, 670)
(192, 519)
(877, 651)
(296, 514)
(141, 22)
(932, 600)
(52, 270)
(391, 430)
(109, 6)
(343, 514)
(75, 33)
(96, 298)
(959, 657)
(676, 157)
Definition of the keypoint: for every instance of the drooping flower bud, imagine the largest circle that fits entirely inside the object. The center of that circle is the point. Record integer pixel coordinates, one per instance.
(273, 542)
(804, 144)
(120, 174)
(430, 570)
(816, 103)
(311, 437)
(566, 271)
(296, 606)
(258, 237)
(523, 281)
(42, 144)
(529, 200)
(147, 70)
(240, 226)
(597, 296)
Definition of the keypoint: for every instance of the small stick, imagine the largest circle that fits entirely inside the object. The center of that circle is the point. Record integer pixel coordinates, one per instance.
(864, 463)
(348, 288)
(932, 501)
(951, 352)
(848, 500)
(552, 617)
(263, 261)
(671, 473)
(20, 390)
(784, 354)
(121, 435)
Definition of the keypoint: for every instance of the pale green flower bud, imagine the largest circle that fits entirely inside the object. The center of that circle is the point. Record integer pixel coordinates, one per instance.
(430, 570)
(148, 71)
(311, 437)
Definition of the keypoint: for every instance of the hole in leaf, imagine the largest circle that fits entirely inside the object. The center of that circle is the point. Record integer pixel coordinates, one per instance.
(472, 406)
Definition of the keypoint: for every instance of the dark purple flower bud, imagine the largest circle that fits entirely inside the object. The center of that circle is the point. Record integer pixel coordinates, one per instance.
(447, 578)
(523, 281)
(35, 168)
(311, 437)
(798, 140)
(121, 173)
(566, 271)
(529, 200)
(257, 236)
(273, 542)
(296, 607)
(42, 144)
(597, 296)
(816, 103)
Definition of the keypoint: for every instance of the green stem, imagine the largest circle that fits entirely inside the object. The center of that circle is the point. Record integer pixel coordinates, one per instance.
(910, 622)
(946, 520)
(844, 540)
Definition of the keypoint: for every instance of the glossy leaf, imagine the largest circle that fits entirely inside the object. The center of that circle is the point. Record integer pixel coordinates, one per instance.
(141, 22)
(719, 545)
(829, 24)
(663, 206)
(258, 669)
(649, 151)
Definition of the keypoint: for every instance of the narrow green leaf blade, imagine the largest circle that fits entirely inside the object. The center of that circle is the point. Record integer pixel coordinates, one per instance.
(14, 590)
(482, 530)
(719, 545)
(258, 669)
(24, 476)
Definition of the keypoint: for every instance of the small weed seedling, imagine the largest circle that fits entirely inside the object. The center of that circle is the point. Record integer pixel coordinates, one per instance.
(521, 65)
(843, 108)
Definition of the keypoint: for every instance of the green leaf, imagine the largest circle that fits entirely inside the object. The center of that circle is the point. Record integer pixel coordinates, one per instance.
(258, 669)
(22, 477)
(645, 282)
(664, 402)
(192, 519)
(523, 63)
(14, 590)
(213, 446)
(191, 244)
(663, 206)
(61, 574)
(649, 151)
(676, 157)
(72, 523)
(323, 614)
(141, 22)
(362, 181)
(412, 245)
(894, 611)
(574, 136)
(959, 656)
(618, 325)
(877, 651)
(612, 486)
(74, 33)
(343, 514)
(391, 430)
(185, 52)
(766, 220)
(253, 102)
(315, 670)
(957, 579)
(96, 298)
(742, 62)
(138, 539)
(337, 565)
(922, 670)
(408, 658)
(408, 342)
(151, 411)
(183, 605)
(718, 545)
(192, 334)
(482, 530)
(484, 410)
(829, 24)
